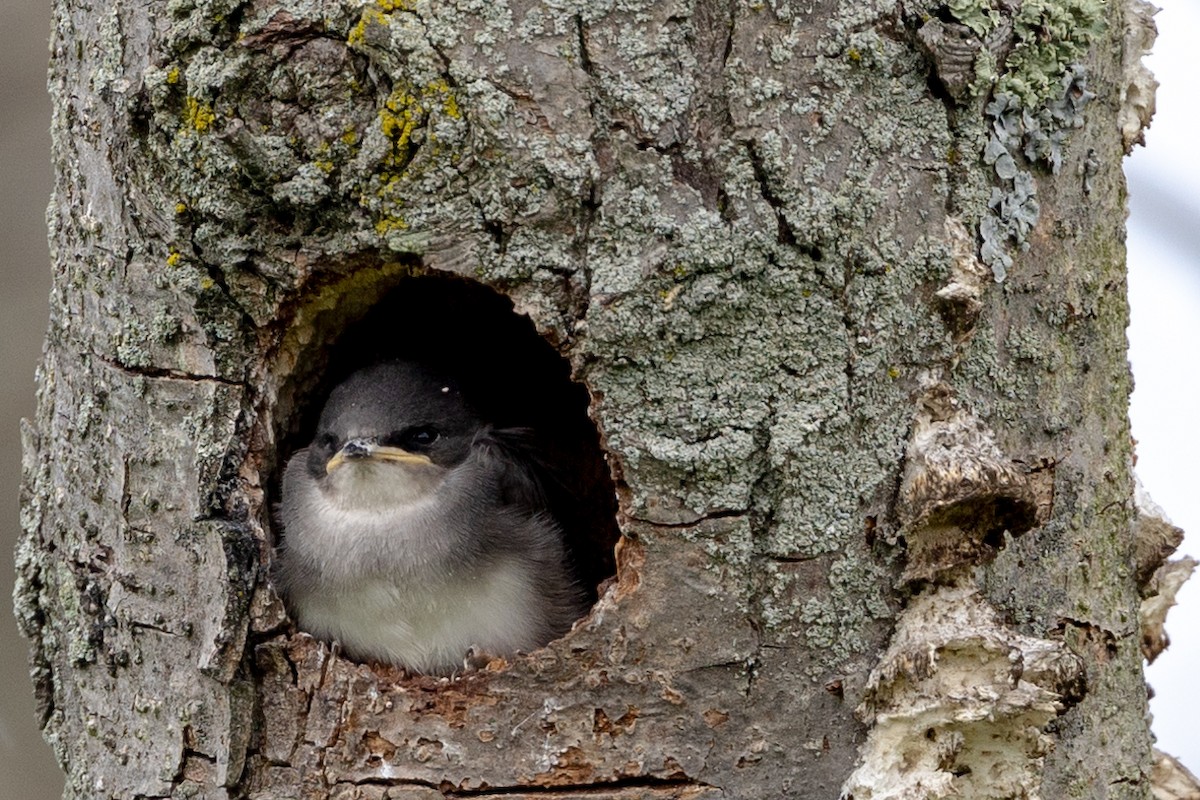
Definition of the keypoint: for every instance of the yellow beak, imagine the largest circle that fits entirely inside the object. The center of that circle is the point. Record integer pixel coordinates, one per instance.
(357, 449)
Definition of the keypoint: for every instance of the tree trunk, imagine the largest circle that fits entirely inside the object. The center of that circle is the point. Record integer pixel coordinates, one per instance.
(844, 283)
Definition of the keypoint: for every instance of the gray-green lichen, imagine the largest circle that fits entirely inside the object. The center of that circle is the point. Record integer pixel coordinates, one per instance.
(981, 16)
(1027, 59)
(1036, 137)
(1051, 35)
(1047, 37)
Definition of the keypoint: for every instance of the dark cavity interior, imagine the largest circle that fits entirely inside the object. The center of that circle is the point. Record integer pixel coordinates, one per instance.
(511, 373)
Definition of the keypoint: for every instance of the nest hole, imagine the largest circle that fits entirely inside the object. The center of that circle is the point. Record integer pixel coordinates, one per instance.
(473, 333)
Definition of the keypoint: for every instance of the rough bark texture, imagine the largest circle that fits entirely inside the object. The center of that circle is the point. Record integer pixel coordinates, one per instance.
(876, 505)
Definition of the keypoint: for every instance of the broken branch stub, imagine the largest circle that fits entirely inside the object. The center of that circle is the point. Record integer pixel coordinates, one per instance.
(958, 493)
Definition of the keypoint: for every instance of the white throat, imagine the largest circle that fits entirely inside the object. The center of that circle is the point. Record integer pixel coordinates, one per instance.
(375, 485)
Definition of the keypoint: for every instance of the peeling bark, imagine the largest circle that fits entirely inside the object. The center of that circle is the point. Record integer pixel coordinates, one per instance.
(766, 240)
(1170, 780)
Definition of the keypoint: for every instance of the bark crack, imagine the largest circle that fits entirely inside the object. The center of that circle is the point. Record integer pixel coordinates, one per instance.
(848, 323)
(784, 232)
(149, 626)
(590, 205)
(791, 559)
(600, 788)
(728, 50)
(596, 788)
(165, 373)
(709, 517)
(446, 61)
(585, 59)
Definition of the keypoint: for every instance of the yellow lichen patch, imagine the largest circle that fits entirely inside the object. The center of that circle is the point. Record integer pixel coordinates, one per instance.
(358, 34)
(404, 119)
(198, 115)
(399, 117)
(407, 109)
(440, 88)
(350, 137)
(388, 224)
(324, 159)
(173, 76)
(174, 258)
(180, 208)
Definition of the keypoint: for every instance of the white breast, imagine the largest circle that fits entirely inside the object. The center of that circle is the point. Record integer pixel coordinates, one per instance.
(390, 574)
(430, 625)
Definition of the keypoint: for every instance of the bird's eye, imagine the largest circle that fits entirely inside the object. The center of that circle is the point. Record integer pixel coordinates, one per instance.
(417, 438)
(326, 441)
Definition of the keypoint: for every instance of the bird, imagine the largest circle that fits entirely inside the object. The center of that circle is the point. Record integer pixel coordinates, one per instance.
(416, 533)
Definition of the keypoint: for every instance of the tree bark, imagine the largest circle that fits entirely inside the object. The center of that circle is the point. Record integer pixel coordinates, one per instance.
(844, 283)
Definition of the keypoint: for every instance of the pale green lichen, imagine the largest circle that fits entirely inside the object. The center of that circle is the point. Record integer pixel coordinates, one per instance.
(836, 624)
(308, 187)
(1051, 35)
(978, 15)
(164, 327)
(133, 345)
(790, 402)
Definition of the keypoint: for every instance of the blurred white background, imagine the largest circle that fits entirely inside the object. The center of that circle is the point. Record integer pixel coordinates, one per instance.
(1164, 281)
(1164, 343)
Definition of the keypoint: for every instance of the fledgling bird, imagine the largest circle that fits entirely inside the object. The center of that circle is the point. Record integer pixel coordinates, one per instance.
(415, 532)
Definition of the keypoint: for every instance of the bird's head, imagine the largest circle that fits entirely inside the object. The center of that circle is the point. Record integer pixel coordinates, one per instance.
(388, 435)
